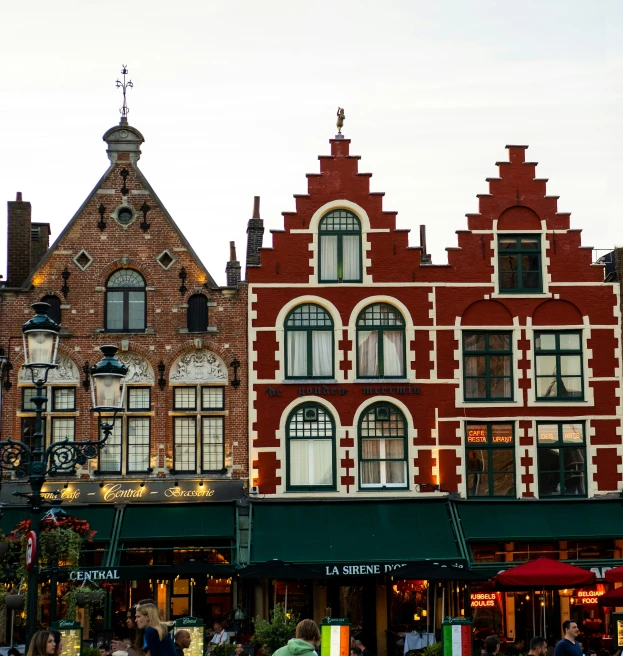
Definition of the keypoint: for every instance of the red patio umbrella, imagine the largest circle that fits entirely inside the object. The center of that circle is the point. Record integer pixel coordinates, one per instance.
(544, 573)
(612, 598)
(614, 575)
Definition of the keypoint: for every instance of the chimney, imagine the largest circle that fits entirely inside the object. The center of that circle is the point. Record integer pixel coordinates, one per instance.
(18, 241)
(255, 235)
(233, 267)
(39, 242)
(425, 258)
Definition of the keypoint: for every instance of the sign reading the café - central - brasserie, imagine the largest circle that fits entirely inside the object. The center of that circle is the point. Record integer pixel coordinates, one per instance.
(115, 492)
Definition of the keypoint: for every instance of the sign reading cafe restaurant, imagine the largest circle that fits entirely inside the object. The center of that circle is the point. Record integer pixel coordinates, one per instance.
(150, 491)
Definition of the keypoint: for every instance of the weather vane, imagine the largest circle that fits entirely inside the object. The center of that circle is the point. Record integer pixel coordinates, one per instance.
(124, 86)
(340, 119)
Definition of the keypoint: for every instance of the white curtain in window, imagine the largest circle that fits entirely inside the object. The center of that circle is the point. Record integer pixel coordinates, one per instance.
(311, 462)
(368, 351)
(351, 257)
(370, 471)
(321, 461)
(297, 353)
(322, 356)
(393, 354)
(394, 471)
(328, 257)
(299, 458)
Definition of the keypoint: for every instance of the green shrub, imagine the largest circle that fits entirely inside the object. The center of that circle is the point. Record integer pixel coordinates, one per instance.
(223, 650)
(90, 651)
(431, 650)
(275, 633)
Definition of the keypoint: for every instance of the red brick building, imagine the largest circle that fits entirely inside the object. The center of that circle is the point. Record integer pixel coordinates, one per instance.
(122, 272)
(398, 408)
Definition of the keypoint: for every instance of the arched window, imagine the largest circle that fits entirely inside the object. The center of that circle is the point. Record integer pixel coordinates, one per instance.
(197, 321)
(382, 447)
(340, 247)
(125, 302)
(55, 307)
(380, 342)
(310, 449)
(309, 343)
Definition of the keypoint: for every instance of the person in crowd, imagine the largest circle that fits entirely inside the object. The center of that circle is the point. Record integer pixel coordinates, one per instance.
(134, 644)
(538, 646)
(364, 650)
(42, 644)
(240, 650)
(492, 645)
(156, 639)
(569, 646)
(517, 647)
(220, 636)
(58, 639)
(355, 651)
(104, 649)
(182, 641)
(14, 651)
(305, 642)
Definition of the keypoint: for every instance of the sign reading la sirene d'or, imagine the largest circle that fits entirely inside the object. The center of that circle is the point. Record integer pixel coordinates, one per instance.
(136, 492)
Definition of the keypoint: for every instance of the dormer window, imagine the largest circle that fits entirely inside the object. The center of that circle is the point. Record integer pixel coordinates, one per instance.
(125, 302)
(340, 247)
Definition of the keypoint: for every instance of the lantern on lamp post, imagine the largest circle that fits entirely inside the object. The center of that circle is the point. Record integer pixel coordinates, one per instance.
(41, 337)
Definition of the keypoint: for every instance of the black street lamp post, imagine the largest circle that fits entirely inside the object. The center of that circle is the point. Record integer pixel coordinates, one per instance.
(41, 335)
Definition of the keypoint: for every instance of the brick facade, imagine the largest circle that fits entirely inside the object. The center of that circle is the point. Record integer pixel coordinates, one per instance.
(89, 252)
(439, 304)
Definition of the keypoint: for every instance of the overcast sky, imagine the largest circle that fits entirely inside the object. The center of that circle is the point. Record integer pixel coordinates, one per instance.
(237, 98)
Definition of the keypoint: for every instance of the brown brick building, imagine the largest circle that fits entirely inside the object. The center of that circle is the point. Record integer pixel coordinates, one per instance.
(121, 272)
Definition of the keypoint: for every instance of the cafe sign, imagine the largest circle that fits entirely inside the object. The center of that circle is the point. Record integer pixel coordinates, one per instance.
(95, 575)
(115, 492)
(362, 569)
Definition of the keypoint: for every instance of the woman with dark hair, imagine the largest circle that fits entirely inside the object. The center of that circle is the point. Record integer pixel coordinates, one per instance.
(42, 644)
(58, 639)
(134, 644)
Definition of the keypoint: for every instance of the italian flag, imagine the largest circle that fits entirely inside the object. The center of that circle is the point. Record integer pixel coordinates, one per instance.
(457, 640)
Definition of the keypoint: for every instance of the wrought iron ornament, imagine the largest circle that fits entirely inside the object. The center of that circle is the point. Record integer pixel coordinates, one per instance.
(143, 224)
(65, 276)
(124, 86)
(101, 224)
(124, 174)
(183, 275)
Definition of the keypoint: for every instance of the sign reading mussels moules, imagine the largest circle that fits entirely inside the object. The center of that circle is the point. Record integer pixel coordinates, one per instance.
(114, 492)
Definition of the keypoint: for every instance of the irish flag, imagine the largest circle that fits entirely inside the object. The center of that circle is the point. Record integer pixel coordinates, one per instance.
(335, 640)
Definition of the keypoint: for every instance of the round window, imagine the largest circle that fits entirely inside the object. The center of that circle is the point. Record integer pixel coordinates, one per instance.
(124, 215)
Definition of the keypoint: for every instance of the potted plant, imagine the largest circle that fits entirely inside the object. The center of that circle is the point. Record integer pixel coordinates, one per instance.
(79, 597)
(275, 633)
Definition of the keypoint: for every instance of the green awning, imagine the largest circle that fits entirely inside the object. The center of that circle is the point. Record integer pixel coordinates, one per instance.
(11, 517)
(100, 519)
(505, 521)
(178, 522)
(329, 532)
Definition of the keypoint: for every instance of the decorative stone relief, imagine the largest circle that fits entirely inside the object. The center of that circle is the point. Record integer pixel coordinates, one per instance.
(198, 367)
(65, 373)
(139, 370)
